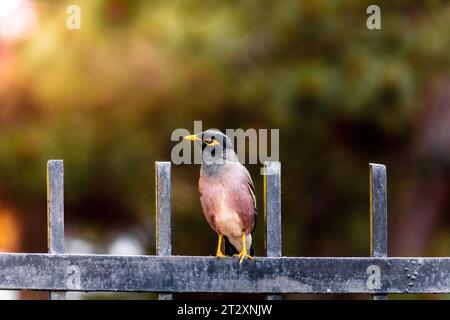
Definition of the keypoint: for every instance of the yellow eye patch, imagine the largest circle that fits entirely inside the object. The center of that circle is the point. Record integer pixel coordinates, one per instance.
(213, 143)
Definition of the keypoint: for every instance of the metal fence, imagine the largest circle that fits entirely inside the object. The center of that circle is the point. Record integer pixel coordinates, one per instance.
(273, 275)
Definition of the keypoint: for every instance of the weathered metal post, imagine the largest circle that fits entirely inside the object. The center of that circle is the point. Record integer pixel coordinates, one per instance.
(378, 215)
(55, 213)
(163, 200)
(272, 212)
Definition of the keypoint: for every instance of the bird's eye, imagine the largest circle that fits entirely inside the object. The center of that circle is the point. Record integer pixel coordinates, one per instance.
(212, 141)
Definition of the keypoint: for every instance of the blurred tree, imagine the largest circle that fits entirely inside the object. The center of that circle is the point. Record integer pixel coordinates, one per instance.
(106, 98)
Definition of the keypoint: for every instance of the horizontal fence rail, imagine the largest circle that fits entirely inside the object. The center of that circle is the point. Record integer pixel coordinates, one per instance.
(273, 275)
(209, 274)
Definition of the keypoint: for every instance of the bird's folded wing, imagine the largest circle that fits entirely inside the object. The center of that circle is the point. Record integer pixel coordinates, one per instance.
(243, 198)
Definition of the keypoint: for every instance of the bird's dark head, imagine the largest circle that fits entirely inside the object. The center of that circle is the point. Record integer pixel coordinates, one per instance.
(215, 145)
(211, 138)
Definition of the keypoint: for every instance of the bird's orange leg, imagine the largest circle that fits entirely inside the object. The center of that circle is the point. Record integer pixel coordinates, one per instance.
(219, 253)
(243, 254)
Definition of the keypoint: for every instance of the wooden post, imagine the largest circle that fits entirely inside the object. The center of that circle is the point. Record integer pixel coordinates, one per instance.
(378, 215)
(272, 213)
(55, 213)
(163, 200)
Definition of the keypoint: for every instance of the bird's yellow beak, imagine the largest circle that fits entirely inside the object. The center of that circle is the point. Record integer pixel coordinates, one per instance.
(192, 137)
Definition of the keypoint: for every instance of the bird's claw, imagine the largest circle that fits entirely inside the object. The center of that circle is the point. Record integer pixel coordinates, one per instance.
(242, 256)
(219, 254)
(245, 256)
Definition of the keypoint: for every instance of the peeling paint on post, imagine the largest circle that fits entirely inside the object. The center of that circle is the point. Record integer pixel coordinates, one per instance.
(374, 278)
(272, 212)
(55, 212)
(378, 219)
(163, 194)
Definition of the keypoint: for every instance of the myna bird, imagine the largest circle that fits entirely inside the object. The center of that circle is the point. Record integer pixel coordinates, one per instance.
(227, 194)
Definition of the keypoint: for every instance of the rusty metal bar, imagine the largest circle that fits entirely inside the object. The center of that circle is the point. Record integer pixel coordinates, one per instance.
(378, 219)
(209, 274)
(55, 212)
(163, 201)
(272, 212)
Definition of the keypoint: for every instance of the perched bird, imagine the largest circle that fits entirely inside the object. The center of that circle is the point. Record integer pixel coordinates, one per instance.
(227, 194)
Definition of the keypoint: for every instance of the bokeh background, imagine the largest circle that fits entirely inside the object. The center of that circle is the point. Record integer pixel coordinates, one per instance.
(106, 98)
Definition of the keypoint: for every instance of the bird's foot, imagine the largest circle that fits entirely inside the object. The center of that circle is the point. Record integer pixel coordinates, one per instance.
(242, 255)
(219, 254)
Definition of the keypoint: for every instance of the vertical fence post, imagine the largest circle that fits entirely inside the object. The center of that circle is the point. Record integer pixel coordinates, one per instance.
(55, 213)
(272, 213)
(378, 214)
(163, 201)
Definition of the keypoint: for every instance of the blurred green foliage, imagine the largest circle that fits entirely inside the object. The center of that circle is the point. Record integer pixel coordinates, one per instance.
(106, 98)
